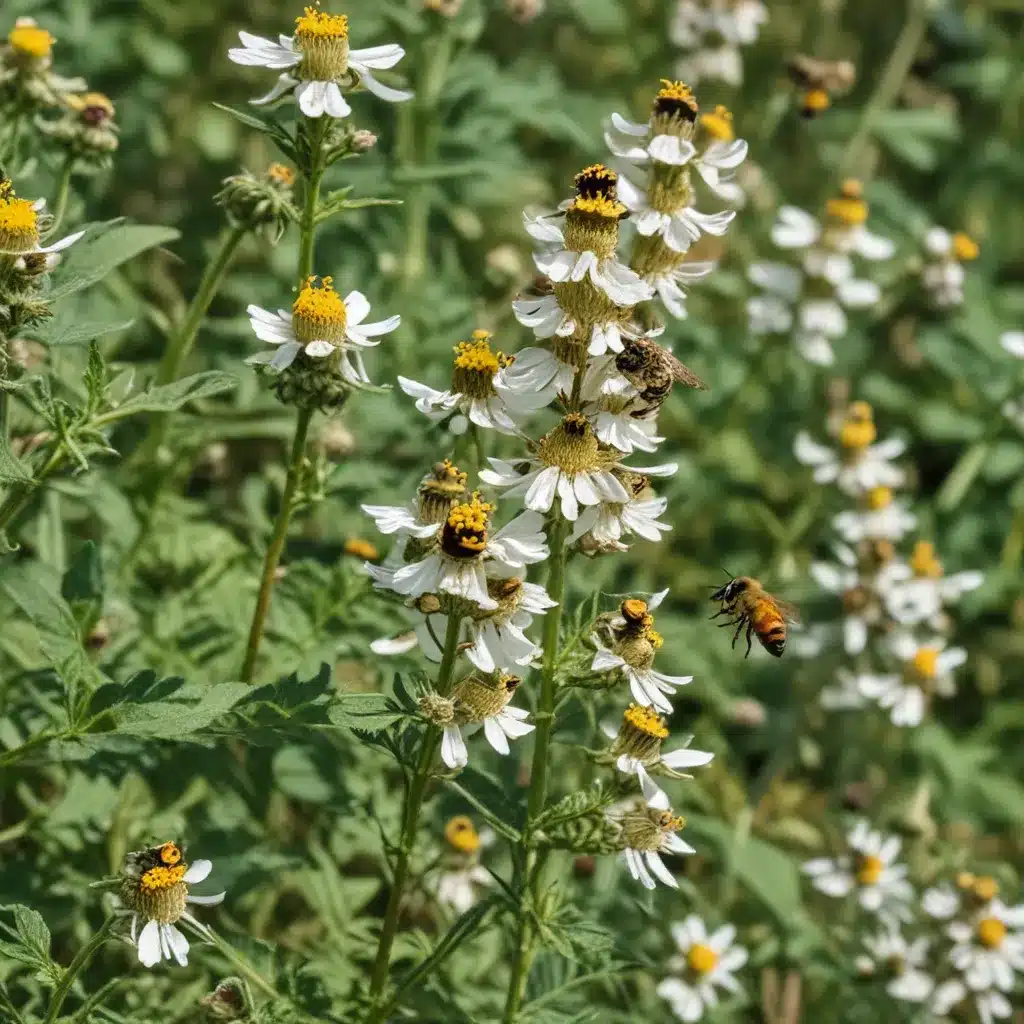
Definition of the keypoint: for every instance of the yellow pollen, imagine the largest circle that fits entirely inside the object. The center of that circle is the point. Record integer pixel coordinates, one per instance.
(162, 878)
(477, 355)
(314, 24)
(320, 304)
(923, 561)
(634, 608)
(19, 229)
(469, 522)
(646, 720)
(702, 959)
(965, 880)
(926, 662)
(869, 869)
(861, 411)
(817, 100)
(850, 212)
(600, 206)
(676, 91)
(461, 833)
(879, 498)
(991, 932)
(281, 174)
(480, 334)
(851, 188)
(965, 248)
(986, 888)
(91, 101)
(719, 124)
(857, 434)
(656, 639)
(31, 40)
(359, 548)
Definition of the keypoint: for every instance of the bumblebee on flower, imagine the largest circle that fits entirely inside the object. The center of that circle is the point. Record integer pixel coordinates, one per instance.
(154, 888)
(317, 64)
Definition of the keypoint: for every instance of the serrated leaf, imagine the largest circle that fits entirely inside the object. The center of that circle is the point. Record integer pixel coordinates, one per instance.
(168, 397)
(12, 469)
(185, 710)
(104, 247)
(367, 711)
(58, 332)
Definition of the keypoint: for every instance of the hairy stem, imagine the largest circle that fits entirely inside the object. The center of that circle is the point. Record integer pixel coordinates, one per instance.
(410, 823)
(244, 967)
(83, 956)
(311, 199)
(274, 549)
(60, 201)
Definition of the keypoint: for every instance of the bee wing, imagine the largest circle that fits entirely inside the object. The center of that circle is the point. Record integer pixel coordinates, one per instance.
(802, 69)
(682, 374)
(787, 610)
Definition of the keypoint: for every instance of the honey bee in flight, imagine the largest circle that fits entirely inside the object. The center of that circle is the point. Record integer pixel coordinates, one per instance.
(819, 79)
(749, 604)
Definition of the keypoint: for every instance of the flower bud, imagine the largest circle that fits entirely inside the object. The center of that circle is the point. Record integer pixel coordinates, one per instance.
(260, 202)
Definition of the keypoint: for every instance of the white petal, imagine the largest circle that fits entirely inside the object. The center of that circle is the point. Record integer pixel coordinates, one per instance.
(149, 944)
(453, 748)
(197, 871)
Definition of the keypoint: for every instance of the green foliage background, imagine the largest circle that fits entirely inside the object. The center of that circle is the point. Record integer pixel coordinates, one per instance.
(505, 114)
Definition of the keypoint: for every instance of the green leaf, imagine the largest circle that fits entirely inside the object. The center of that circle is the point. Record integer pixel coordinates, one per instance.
(12, 469)
(297, 775)
(104, 247)
(33, 943)
(83, 580)
(168, 397)
(190, 708)
(66, 331)
(369, 711)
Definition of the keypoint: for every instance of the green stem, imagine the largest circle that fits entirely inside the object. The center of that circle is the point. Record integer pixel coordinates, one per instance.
(896, 69)
(21, 493)
(85, 954)
(273, 556)
(60, 202)
(237, 960)
(410, 823)
(307, 225)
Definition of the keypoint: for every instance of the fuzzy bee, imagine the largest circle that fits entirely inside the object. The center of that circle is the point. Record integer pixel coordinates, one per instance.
(653, 370)
(765, 616)
(819, 79)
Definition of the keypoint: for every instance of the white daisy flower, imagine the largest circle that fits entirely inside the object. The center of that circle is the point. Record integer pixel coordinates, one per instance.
(19, 228)
(621, 418)
(713, 32)
(569, 464)
(859, 464)
(943, 274)
(534, 380)
(472, 392)
(155, 890)
(882, 520)
(457, 564)
(462, 875)
(921, 591)
(632, 643)
(484, 702)
(844, 231)
(636, 749)
(320, 324)
(904, 966)
(989, 947)
(648, 829)
(871, 872)
(316, 61)
(545, 317)
(845, 694)
(670, 285)
(705, 962)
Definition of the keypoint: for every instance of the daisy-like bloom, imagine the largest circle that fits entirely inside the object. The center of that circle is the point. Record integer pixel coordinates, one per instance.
(154, 888)
(845, 694)
(492, 639)
(704, 962)
(570, 463)
(860, 464)
(636, 747)
(321, 325)
(621, 417)
(472, 392)
(600, 528)
(316, 62)
(443, 487)
(632, 642)
(927, 672)
(943, 273)
(483, 701)
(903, 966)
(989, 949)
(881, 519)
(663, 206)
(712, 32)
(646, 829)
(1013, 342)
(870, 871)
(462, 874)
(536, 378)
(813, 296)
(921, 590)
(672, 276)
(457, 560)
(19, 228)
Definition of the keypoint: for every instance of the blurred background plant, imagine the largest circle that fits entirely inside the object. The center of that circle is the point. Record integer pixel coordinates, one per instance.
(113, 580)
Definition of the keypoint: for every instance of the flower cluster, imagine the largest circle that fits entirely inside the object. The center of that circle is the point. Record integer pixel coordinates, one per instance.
(942, 274)
(809, 296)
(893, 610)
(712, 32)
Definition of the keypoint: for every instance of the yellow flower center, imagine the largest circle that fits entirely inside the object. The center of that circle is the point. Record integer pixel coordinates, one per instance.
(965, 248)
(850, 212)
(359, 548)
(319, 312)
(599, 206)
(477, 356)
(965, 880)
(856, 435)
(313, 24)
(719, 124)
(923, 561)
(816, 100)
(475, 366)
(675, 99)
(879, 498)
(986, 888)
(160, 877)
(465, 530)
(645, 720)
(991, 932)
(702, 959)
(31, 40)
(926, 663)
(462, 835)
(19, 227)
(281, 174)
(572, 446)
(869, 869)
(95, 107)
